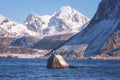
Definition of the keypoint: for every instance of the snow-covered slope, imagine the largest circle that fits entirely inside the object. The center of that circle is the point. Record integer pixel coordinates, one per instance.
(52, 30)
(91, 40)
(10, 28)
(37, 23)
(65, 20)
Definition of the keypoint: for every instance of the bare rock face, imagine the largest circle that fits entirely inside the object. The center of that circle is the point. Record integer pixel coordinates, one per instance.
(112, 46)
(56, 61)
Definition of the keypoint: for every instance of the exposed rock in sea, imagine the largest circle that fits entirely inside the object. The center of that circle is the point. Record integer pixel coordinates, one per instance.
(56, 61)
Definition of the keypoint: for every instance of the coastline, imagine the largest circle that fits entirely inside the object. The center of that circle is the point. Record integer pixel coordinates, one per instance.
(28, 55)
(13, 55)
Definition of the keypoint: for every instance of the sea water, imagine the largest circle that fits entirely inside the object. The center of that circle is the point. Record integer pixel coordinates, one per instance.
(35, 69)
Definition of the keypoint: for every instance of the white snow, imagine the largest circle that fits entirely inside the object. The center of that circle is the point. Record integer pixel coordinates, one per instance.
(66, 20)
(37, 23)
(89, 42)
(13, 29)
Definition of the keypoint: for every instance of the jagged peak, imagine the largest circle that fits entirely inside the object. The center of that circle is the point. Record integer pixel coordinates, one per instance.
(32, 18)
(65, 18)
(66, 8)
(33, 15)
(68, 12)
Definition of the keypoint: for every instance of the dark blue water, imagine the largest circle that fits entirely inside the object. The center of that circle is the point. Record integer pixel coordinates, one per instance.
(35, 69)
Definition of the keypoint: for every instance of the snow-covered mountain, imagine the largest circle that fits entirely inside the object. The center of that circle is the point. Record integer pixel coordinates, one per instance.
(65, 20)
(10, 28)
(93, 39)
(52, 32)
(37, 23)
(41, 32)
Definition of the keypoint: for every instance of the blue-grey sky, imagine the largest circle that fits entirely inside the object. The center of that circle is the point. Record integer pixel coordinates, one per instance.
(18, 10)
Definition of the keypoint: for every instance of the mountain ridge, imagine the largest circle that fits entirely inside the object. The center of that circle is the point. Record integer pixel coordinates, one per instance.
(57, 23)
(46, 24)
(44, 38)
(10, 28)
(89, 42)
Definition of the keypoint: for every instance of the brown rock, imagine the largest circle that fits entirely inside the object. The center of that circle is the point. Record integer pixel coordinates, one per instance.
(56, 61)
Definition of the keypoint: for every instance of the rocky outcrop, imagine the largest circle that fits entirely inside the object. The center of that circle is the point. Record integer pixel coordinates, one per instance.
(37, 23)
(112, 46)
(56, 61)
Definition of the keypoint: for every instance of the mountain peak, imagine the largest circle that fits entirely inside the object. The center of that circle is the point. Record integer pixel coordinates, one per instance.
(101, 36)
(66, 8)
(69, 13)
(9, 28)
(32, 16)
(66, 19)
(37, 23)
(66, 11)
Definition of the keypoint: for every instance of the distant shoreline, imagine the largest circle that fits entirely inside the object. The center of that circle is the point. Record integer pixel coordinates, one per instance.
(16, 55)
(13, 55)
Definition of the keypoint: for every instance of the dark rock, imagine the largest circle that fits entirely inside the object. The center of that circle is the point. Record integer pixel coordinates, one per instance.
(56, 61)
(19, 42)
